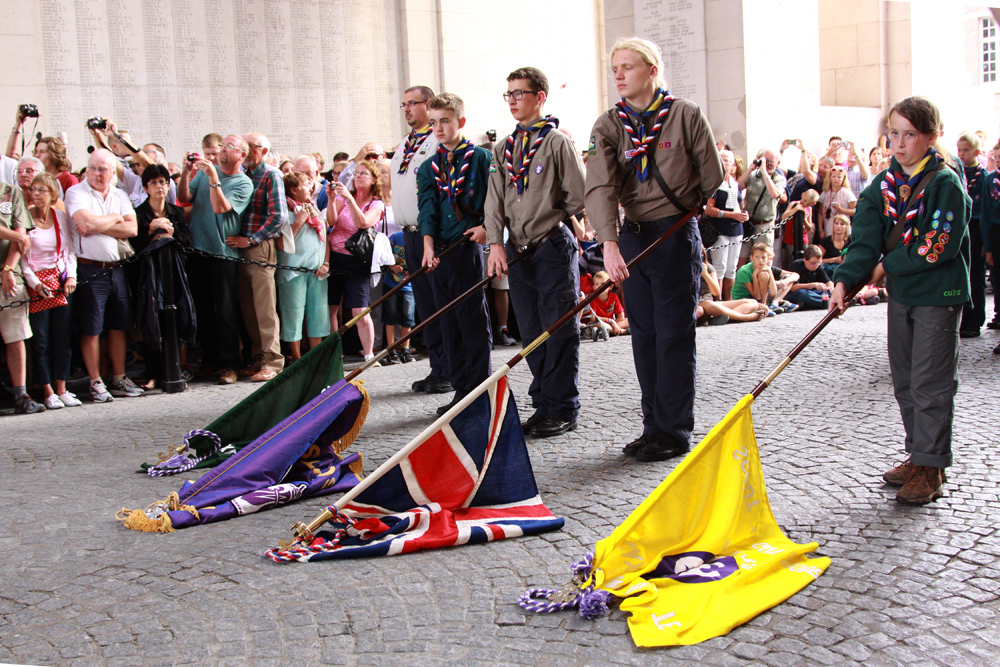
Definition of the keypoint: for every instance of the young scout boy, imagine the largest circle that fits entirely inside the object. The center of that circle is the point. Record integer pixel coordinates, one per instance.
(451, 191)
(536, 182)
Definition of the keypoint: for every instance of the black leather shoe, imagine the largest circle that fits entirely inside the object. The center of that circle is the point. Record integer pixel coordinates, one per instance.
(421, 385)
(552, 425)
(631, 448)
(438, 386)
(969, 333)
(529, 424)
(445, 408)
(660, 448)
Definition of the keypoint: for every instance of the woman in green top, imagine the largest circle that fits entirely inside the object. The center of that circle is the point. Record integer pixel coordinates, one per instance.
(926, 261)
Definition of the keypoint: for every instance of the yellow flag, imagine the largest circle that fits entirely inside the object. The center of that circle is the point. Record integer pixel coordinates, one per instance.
(703, 554)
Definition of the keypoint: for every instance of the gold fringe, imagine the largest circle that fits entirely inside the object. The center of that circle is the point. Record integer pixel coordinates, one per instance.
(138, 520)
(348, 438)
(357, 467)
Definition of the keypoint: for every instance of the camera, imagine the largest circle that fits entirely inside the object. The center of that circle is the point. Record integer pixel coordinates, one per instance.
(759, 161)
(193, 157)
(491, 135)
(97, 123)
(29, 110)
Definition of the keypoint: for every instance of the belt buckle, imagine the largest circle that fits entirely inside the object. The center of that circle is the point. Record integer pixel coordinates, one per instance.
(633, 227)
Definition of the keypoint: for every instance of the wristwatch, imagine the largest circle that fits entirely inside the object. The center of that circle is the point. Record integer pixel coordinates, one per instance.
(215, 185)
(8, 267)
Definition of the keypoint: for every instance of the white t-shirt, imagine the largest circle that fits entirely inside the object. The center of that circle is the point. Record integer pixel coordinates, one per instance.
(96, 247)
(7, 167)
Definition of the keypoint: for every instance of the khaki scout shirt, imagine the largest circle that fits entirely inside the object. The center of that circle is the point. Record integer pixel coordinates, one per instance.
(13, 215)
(553, 193)
(685, 153)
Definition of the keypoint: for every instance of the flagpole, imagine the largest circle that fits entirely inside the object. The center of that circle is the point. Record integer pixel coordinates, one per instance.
(531, 247)
(306, 532)
(378, 302)
(829, 317)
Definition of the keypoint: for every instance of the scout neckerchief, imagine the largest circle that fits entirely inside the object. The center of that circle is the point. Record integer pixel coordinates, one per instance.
(641, 139)
(897, 189)
(972, 176)
(410, 148)
(520, 177)
(451, 167)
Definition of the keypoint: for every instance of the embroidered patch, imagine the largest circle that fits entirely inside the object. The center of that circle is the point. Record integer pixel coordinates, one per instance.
(888, 204)
(592, 147)
(944, 238)
(937, 214)
(930, 234)
(939, 248)
(493, 169)
(949, 216)
(932, 258)
(663, 144)
(538, 168)
(946, 228)
(922, 250)
(920, 211)
(630, 153)
(6, 208)
(935, 223)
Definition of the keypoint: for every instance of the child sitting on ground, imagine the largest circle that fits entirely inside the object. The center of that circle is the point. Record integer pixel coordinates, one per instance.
(812, 289)
(711, 311)
(768, 285)
(607, 308)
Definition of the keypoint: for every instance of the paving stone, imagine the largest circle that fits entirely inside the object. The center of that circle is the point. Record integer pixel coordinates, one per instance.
(908, 586)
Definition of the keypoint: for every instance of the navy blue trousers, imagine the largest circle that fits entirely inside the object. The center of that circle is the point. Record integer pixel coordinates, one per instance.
(466, 327)
(543, 287)
(974, 311)
(423, 297)
(661, 297)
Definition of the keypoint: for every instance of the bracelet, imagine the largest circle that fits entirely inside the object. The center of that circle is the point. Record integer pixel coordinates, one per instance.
(721, 213)
(16, 130)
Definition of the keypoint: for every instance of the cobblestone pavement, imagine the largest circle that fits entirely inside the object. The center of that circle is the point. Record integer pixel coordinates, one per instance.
(908, 586)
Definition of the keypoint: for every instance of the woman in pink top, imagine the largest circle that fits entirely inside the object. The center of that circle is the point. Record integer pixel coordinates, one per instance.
(360, 207)
(48, 264)
(837, 199)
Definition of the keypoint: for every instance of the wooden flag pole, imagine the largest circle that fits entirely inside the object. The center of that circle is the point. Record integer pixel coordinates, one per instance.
(829, 317)
(306, 532)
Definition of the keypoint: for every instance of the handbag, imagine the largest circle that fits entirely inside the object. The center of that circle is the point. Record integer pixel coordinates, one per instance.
(51, 278)
(361, 244)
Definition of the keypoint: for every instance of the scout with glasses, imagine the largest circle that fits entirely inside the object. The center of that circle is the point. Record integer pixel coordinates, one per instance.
(536, 182)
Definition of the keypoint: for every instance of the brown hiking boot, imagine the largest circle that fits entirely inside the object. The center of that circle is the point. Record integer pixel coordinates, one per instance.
(923, 486)
(899, 475)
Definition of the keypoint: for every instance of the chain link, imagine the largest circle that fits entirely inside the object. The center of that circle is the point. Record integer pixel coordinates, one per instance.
(244, 260)
(773, 228)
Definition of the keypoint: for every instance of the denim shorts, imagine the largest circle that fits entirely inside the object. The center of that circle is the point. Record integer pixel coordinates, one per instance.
(352, 288)
(398, 309)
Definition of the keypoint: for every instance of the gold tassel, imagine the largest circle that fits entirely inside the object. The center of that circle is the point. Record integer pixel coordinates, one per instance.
(139, 520)
(348, 438)
(357, 467)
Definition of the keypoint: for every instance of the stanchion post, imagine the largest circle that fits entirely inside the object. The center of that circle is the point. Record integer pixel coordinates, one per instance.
(172, 382)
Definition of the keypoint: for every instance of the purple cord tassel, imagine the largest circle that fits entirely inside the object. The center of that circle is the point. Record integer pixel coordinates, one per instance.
(594, 604)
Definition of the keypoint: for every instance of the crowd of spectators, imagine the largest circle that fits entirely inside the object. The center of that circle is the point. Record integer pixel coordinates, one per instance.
(69, 238)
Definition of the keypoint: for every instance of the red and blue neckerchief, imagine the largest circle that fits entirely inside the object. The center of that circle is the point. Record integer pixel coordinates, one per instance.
(896, 189)
(520, 177)
(641, 139)
(410, 148)
(449, 173)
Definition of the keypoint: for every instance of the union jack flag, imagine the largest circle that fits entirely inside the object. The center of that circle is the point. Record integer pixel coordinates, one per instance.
(469, 482)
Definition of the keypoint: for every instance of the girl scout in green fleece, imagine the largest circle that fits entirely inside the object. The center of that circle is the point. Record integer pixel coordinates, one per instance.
(911, 225)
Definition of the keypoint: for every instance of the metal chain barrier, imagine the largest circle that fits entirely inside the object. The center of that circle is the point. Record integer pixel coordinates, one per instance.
(190, 251)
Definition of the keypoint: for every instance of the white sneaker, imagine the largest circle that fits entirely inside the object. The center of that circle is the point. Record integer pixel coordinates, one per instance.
(125, 388)
(69, 399)
(53, 403)
(369, 357)
(99, 392)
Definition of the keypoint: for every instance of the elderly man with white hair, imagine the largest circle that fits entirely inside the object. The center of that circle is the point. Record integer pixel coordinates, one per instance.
(261, 224)
(27, 168)
(102, 215)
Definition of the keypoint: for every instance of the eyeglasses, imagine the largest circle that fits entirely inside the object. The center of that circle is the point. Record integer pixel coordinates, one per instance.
(254, 146)
(230, 147)
(518, 94)
(101, 170)
(29, 170)
(410, 105)
(40, 191)
(365, 173)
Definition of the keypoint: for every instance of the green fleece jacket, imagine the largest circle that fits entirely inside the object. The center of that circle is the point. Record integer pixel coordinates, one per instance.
(933, 269)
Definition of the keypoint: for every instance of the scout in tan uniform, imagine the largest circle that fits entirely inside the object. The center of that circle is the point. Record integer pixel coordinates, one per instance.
(648, 131)
(536, 182)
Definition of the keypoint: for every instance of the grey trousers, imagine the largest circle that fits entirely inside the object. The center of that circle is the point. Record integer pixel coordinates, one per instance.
(923, 360)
